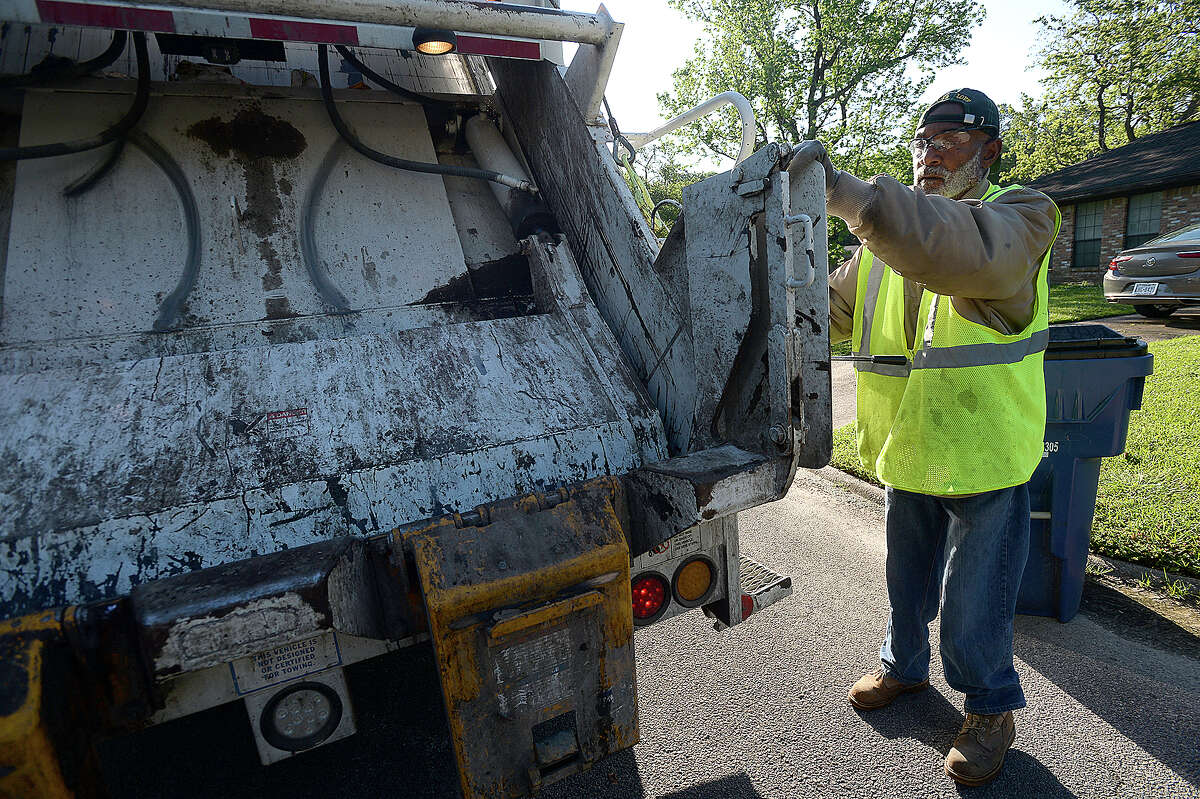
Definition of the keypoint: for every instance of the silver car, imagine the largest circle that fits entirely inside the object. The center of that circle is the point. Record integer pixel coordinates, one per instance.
(1159, 276)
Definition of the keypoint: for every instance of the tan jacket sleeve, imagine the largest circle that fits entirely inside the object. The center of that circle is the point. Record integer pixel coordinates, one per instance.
(983, 255)
(843, 289)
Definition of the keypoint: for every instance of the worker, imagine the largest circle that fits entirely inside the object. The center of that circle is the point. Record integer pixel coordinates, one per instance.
(945, 305)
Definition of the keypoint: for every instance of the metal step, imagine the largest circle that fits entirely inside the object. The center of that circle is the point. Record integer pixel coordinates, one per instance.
(761, 587)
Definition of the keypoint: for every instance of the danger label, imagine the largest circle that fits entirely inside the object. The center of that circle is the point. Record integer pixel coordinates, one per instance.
(288, 662)
(287, 423)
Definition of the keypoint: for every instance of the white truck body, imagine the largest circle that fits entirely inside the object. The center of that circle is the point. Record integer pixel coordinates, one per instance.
(256, 389)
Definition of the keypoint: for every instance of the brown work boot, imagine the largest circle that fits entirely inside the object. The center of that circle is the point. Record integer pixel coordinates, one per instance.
(878, 689)
(980, 748)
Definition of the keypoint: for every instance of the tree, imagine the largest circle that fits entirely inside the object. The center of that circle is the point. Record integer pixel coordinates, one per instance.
(1134, 65)
(1040, 137)
(844, 71)
(1116, 70)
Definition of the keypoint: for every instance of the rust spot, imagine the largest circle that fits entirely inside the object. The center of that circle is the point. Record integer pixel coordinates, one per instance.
(503, 277)
(273, 279)
(256, 141)
(250, 134)
(278, 308)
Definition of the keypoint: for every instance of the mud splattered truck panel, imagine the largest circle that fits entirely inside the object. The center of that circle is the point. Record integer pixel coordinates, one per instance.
(330, 329)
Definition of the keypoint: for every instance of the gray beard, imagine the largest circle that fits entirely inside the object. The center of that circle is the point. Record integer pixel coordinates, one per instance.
(961, 180)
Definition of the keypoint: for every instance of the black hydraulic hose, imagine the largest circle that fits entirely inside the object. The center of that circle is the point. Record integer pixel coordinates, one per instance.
(402, 163)
(85, 182)
(375, 77)
(117, 131)
(172, 305)
(308, 233)
(69, 71)
(111, 54)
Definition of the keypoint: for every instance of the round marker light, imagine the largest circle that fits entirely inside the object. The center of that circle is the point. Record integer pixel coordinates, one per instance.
(693, 581)
(301, 716)
(434, 42)
(650, 593)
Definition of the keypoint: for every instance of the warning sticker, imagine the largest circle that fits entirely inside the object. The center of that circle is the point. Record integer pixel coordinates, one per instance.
(288, 662)
(281, 424)
(686, 543)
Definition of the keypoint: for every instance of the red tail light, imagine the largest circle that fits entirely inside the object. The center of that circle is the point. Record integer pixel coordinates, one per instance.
(650, 594)
(1112, 265)
(1191, 254)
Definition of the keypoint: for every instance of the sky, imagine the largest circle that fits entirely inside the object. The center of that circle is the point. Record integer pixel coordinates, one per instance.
(657, 40)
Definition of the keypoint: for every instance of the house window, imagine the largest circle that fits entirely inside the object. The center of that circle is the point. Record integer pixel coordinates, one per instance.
(1145, 210)
(1089, 219)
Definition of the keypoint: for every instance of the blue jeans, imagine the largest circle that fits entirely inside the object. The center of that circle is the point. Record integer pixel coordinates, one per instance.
(968, 553)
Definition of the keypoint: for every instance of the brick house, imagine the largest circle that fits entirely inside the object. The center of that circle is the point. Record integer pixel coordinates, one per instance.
(1121, 198)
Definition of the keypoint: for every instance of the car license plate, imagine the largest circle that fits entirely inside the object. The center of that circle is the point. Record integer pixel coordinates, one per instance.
(1142, 289)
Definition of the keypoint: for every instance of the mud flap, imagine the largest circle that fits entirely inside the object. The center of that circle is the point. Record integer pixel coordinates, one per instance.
(530, 615)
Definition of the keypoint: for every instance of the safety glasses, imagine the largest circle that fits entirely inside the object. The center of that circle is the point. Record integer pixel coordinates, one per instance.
(942, 142)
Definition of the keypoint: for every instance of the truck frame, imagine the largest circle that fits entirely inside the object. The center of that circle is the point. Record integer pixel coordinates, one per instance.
(295, 372)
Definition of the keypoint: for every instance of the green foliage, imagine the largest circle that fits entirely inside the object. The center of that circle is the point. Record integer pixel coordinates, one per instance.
(848, 72)
(1116, 70)
(1040, 138)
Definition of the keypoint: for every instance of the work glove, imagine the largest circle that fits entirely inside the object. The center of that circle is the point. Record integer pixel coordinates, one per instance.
(808, 152)
(846, 196)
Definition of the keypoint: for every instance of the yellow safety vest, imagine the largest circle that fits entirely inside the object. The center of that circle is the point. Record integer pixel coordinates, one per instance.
(961, 411)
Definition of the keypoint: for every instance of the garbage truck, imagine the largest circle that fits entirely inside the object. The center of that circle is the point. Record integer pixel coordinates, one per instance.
(331, 329)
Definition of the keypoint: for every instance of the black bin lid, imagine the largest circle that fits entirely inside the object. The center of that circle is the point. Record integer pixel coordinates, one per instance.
(1082, 342)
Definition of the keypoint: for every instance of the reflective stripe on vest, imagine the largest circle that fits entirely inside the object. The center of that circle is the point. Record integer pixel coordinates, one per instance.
(920, 421)
(930, 357)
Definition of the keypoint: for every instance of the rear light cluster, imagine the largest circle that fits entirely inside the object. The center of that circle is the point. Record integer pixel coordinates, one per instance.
(1112, 265)
(690, 586)
(650, 594)
(1191, 254)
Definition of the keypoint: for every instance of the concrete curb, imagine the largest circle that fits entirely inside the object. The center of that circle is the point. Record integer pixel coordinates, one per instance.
(1102, 566)
(1101, 569)
(852, 484)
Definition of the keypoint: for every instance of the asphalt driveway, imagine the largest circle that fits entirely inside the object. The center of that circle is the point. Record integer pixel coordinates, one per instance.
(1180, 323)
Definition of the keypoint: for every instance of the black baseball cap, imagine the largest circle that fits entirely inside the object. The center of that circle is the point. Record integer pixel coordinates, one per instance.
(978, 111)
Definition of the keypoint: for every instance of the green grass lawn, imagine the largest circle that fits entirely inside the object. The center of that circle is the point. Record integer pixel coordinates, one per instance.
(1075, 302)
(1148, 507)
(1148, 503)
(845, 453)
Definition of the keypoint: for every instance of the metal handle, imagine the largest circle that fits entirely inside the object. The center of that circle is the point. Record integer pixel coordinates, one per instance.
(745, 113)
(811, 275)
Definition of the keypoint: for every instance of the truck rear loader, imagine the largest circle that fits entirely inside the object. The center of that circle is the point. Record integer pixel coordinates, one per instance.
(332, 329)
